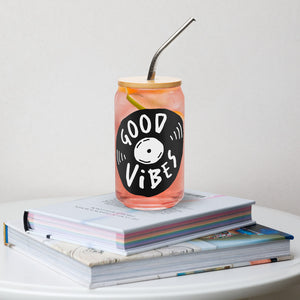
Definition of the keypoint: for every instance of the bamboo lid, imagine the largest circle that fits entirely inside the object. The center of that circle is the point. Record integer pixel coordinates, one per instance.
(141, 82)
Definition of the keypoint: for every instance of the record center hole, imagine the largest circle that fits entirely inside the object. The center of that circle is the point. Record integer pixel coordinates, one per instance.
(149, 150)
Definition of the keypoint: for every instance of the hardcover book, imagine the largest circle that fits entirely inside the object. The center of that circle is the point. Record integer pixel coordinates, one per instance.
(247, 246)
(102, 222)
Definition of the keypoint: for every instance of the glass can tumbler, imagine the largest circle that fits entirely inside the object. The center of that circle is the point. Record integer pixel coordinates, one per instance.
(149, 142)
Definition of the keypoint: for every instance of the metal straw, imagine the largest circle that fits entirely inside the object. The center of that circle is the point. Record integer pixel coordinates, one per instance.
(152, 68)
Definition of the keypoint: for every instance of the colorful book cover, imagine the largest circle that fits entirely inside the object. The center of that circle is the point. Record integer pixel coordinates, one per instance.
(249, 235)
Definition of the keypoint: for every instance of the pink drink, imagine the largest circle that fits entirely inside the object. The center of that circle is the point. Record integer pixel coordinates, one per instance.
(149, 124)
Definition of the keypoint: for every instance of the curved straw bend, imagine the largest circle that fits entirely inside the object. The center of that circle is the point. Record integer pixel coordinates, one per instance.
(152, 68)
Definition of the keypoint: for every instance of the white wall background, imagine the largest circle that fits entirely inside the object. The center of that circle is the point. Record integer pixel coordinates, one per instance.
(240, 65)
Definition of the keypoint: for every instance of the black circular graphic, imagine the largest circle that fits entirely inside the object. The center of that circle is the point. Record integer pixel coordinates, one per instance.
(149, 148)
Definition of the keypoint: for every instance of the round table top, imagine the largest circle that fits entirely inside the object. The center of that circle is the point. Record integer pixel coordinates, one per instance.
(24, 278)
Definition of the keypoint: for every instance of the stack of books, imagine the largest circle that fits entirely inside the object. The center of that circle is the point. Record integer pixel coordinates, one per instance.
(97, 241)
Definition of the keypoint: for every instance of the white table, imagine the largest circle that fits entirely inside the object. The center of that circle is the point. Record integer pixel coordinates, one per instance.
(24, 278)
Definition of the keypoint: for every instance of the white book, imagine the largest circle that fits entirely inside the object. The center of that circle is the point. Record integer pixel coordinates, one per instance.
(247, 246)
(102, 222)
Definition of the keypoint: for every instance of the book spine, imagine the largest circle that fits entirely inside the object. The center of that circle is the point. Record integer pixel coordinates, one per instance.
(25, 221)
(5, 236)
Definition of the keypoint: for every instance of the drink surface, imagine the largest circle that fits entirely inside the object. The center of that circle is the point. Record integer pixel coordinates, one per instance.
(149, 157)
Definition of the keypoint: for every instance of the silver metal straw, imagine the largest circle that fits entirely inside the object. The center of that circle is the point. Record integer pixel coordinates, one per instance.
(152, 68)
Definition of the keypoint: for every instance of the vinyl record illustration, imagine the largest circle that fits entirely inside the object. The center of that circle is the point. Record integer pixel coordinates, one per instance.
(149, 147)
